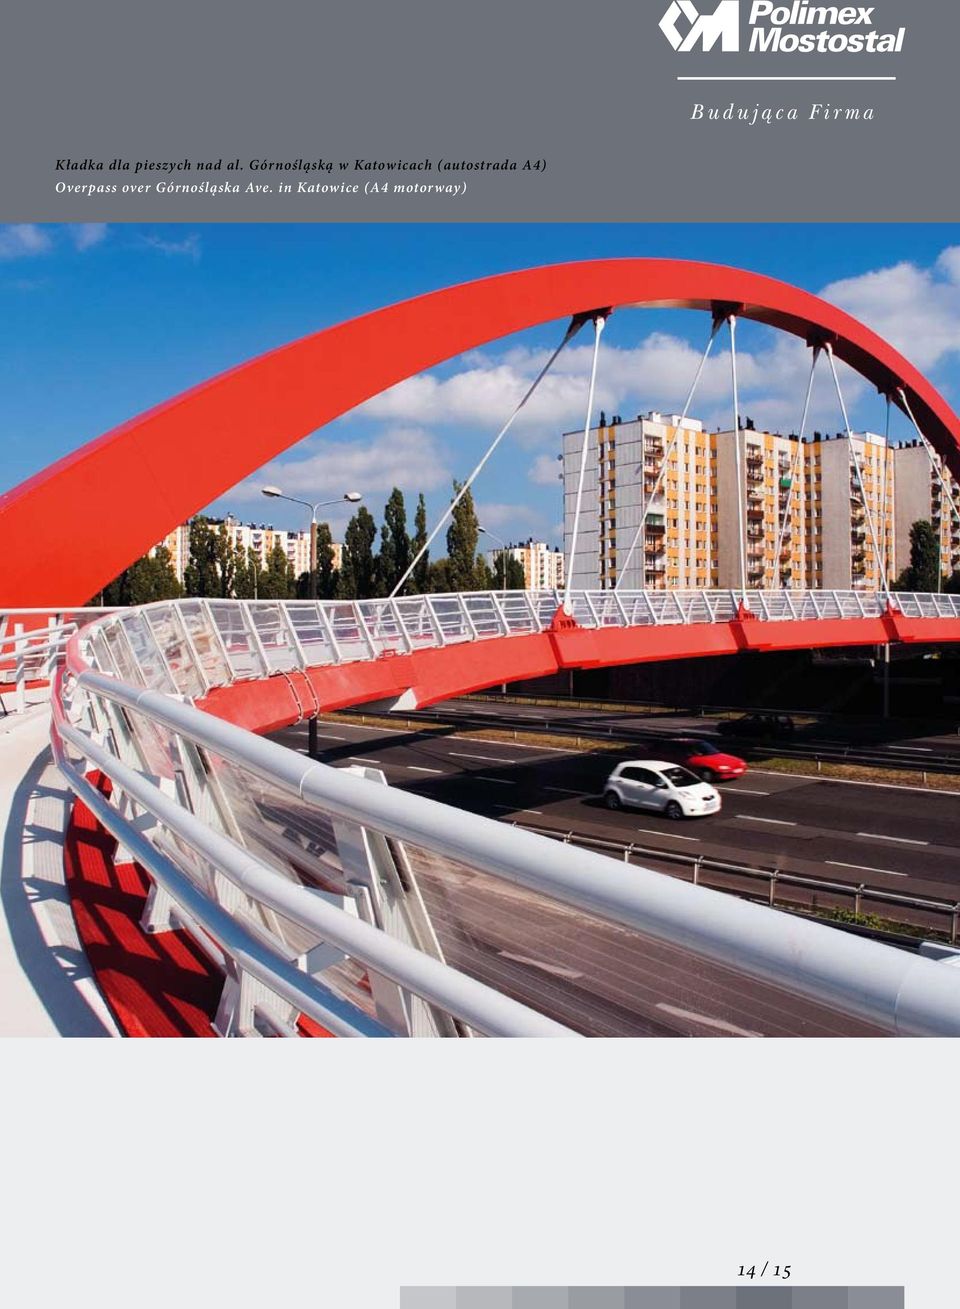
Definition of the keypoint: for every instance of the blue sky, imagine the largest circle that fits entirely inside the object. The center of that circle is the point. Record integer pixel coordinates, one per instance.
(98, 323)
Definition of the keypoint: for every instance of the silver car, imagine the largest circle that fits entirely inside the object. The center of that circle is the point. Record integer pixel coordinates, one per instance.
(664, 787)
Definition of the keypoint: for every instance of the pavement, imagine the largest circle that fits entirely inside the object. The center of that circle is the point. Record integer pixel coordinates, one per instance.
(906, 841)
(46, 983)
(610, 981)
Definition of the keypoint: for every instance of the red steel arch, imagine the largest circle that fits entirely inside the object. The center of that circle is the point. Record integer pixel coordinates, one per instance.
(69, 529)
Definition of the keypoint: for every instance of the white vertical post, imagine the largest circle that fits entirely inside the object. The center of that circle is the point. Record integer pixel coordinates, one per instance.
(598, 325)
(741, 490)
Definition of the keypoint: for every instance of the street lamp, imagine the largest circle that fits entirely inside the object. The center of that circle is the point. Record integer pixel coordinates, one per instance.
(503, 555)
(351, 497)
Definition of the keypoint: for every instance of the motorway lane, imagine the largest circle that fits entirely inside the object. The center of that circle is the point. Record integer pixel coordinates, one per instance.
(902, 840)
(889, 744)
(601, 978)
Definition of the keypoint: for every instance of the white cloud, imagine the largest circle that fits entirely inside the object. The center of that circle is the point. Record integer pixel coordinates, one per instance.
(21, 240)
(188, 247)
(507, 519)
(915, 309)
(544, 471)
(326, 467)
(657, 373)
(86, 235)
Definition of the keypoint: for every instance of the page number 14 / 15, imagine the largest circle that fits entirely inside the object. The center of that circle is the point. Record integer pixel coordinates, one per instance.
(757, 1271)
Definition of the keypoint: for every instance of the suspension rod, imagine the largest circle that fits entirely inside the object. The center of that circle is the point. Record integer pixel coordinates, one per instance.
(598, 326)
(648, 500)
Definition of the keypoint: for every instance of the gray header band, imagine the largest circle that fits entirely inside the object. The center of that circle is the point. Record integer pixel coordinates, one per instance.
(589, 91)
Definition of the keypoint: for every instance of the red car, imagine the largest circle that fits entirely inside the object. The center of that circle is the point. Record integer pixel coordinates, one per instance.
(706, 760)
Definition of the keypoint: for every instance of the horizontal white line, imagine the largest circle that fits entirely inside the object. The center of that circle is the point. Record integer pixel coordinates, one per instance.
(850, 781)
(484, 758)
(718, 1023)
(902, 840)
(656, 831)
(512, 810)
(556, 969)
(753, 818)
(562, 790)
(329, 736)
(742, 790)
(416, 768)
(786, 79)
(912, 749)
(865, 868)
(497, 781)
(356, 758)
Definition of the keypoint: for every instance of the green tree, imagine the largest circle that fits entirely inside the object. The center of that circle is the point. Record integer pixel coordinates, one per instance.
(212, 563)
(516, 578)
(421, 574)
(484, 577)
(358, 569)
(277, 581)
(146, 580)
(394, 557)
(923, 571)
(438, 576)
(247, 573)
(327, 575)
(462, 536)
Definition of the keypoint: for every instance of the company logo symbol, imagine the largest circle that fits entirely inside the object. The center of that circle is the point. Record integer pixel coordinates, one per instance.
(722, 25)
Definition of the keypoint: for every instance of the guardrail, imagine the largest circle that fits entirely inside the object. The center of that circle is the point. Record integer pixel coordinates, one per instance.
(32, 642)
(308, 878)
(940, 915)
(920, 761)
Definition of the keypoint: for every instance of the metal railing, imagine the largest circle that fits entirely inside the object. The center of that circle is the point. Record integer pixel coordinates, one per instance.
(32, 643)
(923, 912)
(189, 646)
(322, 891)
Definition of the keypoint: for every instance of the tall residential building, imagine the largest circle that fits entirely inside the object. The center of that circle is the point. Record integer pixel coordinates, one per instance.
(679, 545)
(802, 510)
(542, 564)
(920, 495)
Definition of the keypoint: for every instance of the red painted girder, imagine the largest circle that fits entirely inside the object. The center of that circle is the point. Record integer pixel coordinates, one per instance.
(93, 512)
(434, 675)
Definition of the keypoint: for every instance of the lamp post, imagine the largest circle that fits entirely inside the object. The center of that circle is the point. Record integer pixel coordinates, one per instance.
(503, 555)
(351, 497)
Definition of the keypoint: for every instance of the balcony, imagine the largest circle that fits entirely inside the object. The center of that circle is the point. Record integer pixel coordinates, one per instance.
(755, 513)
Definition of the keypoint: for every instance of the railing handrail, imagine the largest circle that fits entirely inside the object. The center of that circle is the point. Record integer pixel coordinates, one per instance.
(896, 991)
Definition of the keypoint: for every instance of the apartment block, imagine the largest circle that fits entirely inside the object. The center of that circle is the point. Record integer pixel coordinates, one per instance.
(803, 510)
(920, 495)
(542, 564)
(628, 471)
(259, 538)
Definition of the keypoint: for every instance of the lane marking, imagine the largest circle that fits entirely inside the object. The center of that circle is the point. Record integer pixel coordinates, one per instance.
(556, 969)
(910, 749)
(656, 831)
(512, 810)
(485, 758)
(497, 781)
(754, 818)
(742, 790)
(562, 790)
(717, 1023)
(865, 868)
(850, 781)
(329, 736)
(902, 840)
(417, 768)
(357, 759)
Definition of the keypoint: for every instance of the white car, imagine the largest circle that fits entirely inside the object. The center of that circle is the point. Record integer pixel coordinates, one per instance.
(665, 787)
